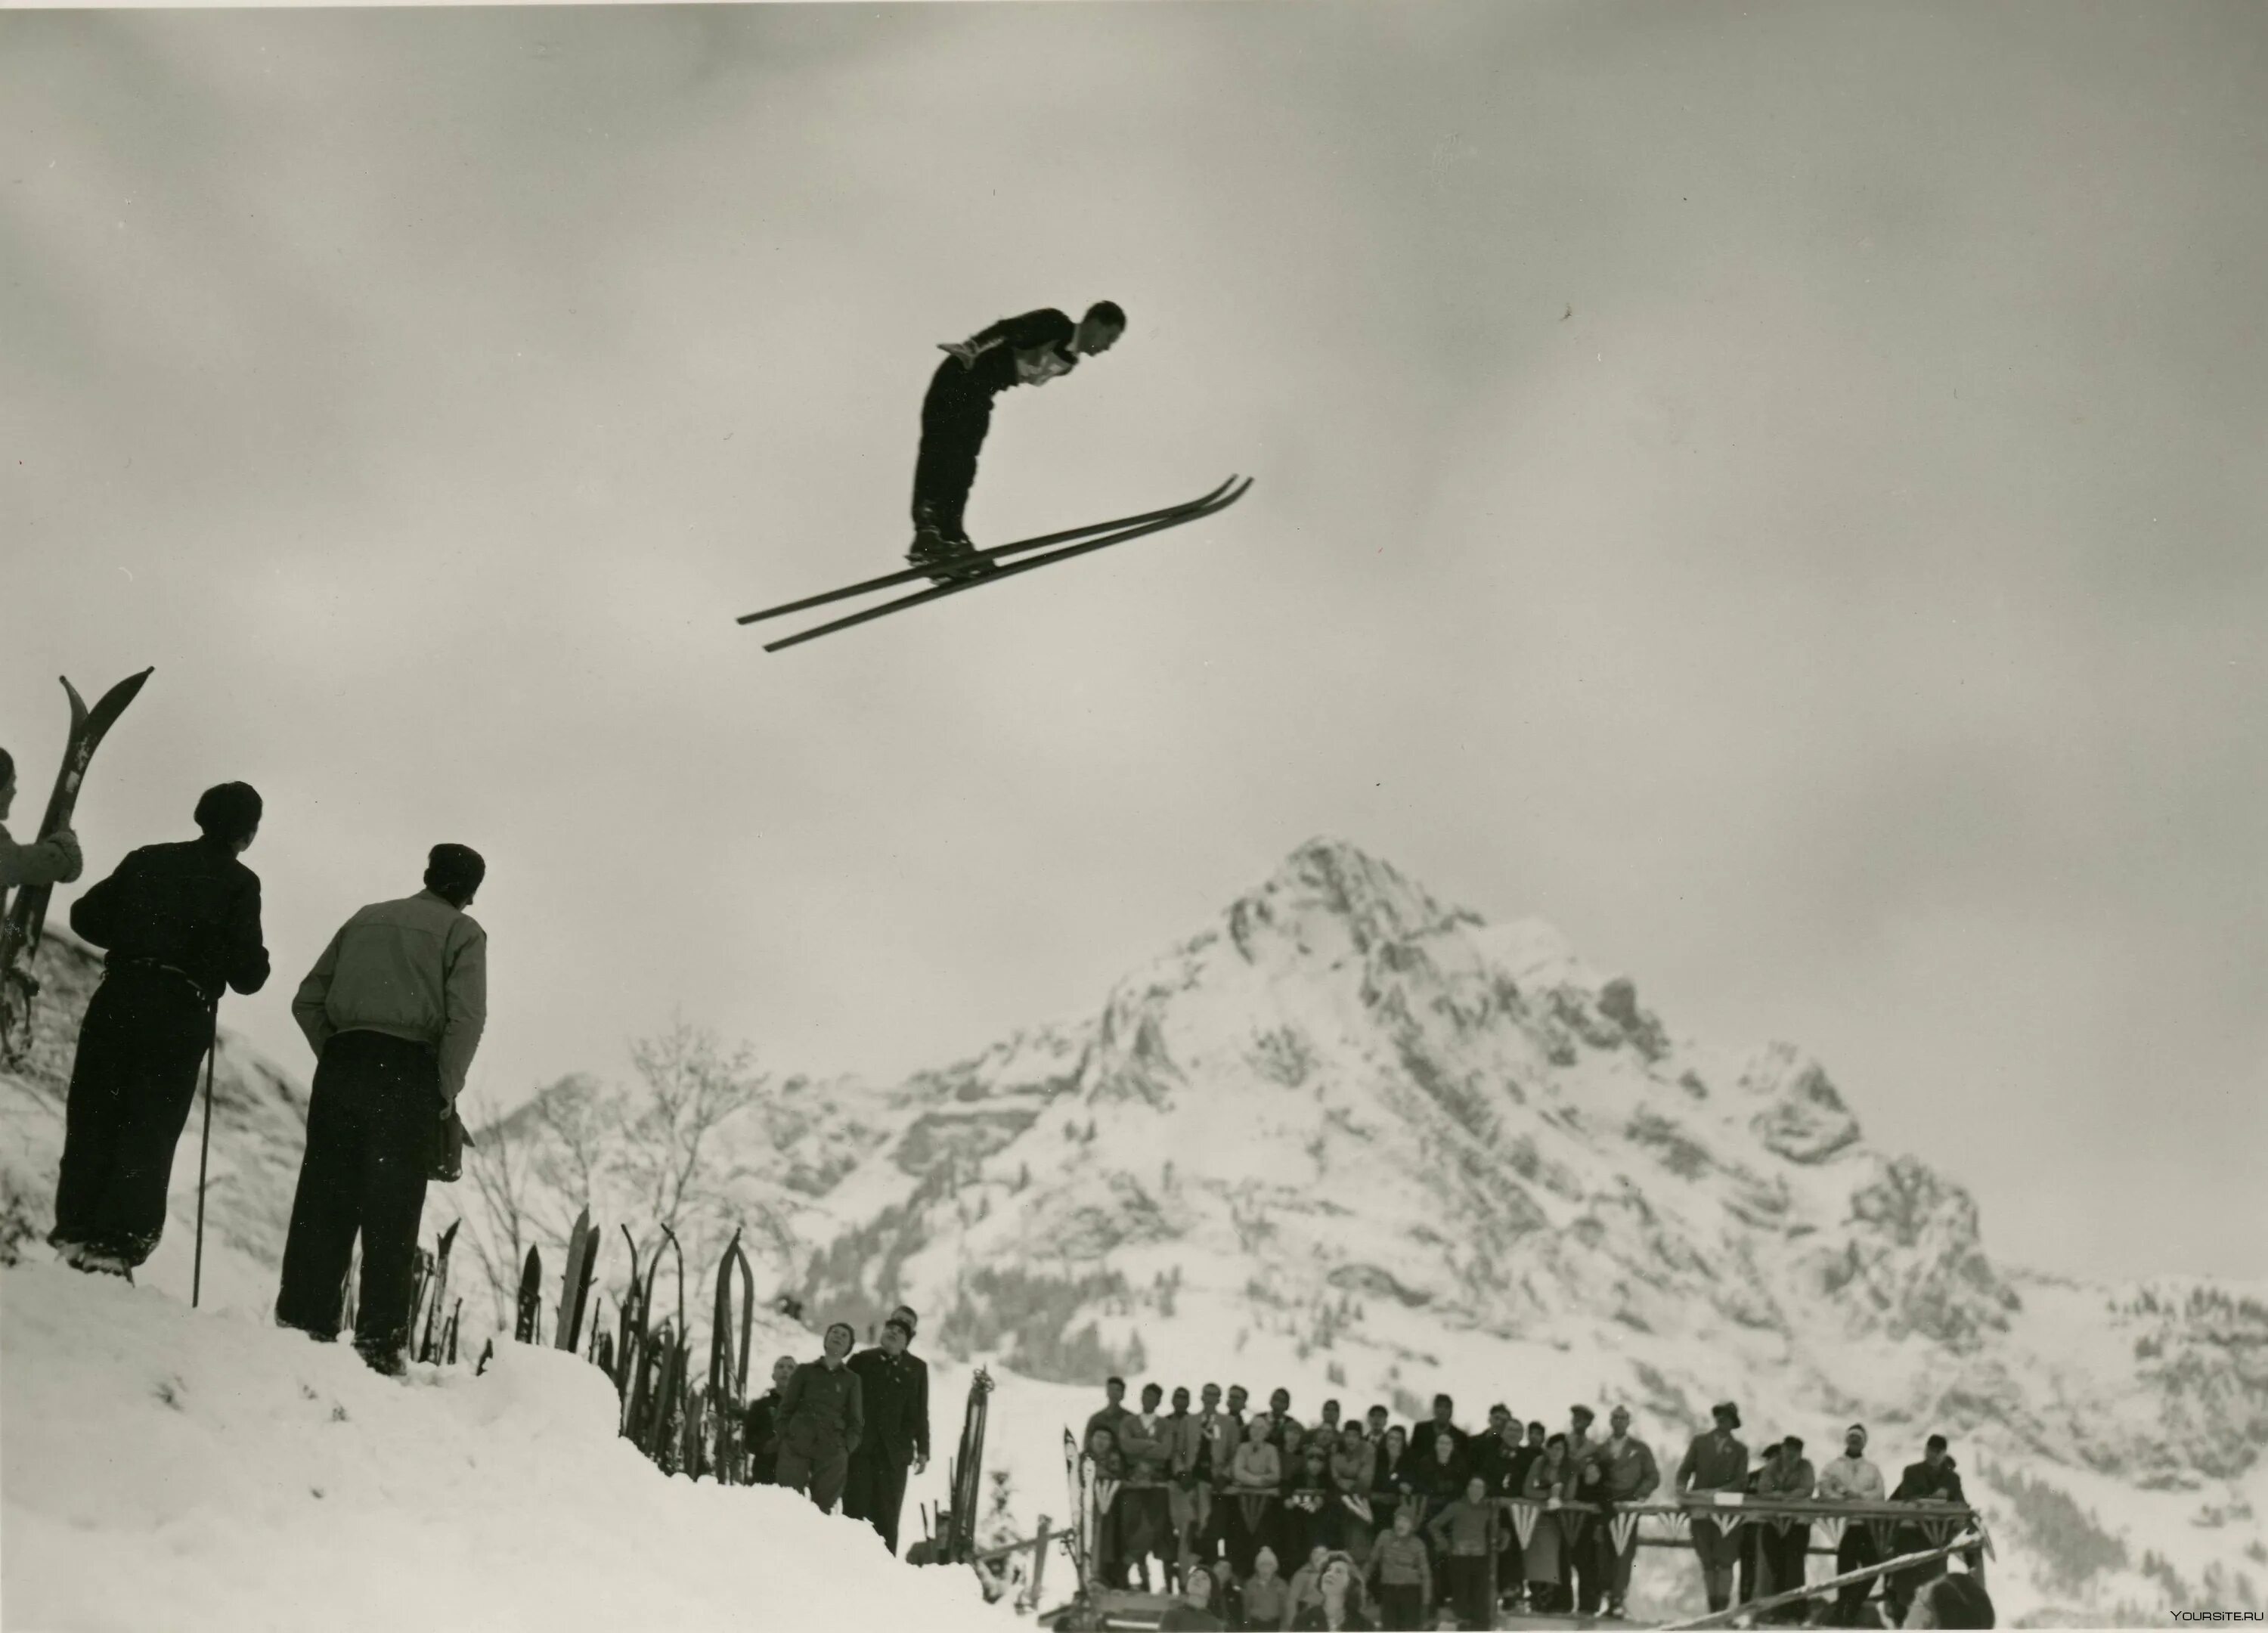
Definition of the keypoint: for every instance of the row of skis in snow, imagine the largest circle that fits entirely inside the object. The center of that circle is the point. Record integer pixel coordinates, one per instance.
(683, 1425)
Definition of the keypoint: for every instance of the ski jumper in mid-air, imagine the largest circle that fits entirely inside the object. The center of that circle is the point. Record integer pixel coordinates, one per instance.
(1028, 351)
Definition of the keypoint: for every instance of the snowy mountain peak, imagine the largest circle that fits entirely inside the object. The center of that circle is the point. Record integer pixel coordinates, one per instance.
(1329, 890)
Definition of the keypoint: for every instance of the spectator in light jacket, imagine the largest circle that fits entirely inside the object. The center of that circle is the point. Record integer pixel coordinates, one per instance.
(393, 1009)
(1627, 1473)
(1852, 1478)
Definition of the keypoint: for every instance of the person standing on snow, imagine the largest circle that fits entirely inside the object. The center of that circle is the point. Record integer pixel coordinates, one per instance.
(894, 1397)
(822, 1419)
(957, 412)
(180, 922)
(393, 1009)
(760, 1427)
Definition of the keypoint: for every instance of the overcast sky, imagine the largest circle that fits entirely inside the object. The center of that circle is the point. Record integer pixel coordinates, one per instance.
(1777, 490)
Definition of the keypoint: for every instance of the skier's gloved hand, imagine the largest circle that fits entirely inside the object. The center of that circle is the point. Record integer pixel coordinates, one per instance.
(962, 349)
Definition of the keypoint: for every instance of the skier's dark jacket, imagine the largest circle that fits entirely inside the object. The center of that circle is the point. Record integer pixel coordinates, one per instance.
(192, 908)
(1045, 330)
(822, 1410)
(894, 1396)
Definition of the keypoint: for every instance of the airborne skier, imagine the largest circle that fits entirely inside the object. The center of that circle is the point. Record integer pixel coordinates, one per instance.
(1027, 350)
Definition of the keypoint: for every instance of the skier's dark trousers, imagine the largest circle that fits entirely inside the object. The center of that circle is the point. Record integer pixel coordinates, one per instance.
(895, 1391)
(957, 412)
(394, 1010)
(180, 922)
(822, 1419)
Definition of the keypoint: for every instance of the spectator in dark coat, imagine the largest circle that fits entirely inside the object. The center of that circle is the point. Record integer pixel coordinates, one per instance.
(760, 1428)
(905, 1313)
(1716, 1461)
(1112, 1414)
(1749, 1570)
(1785, 1552)
(1933, 1479)
(1465, 1534)
(894, 1398)
(822, 1419)
(393, 1009)
(180, 922)
(1394, 1486)
(1421, 1437)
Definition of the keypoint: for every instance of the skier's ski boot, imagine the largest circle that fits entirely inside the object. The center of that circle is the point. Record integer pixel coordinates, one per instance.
(948, 556)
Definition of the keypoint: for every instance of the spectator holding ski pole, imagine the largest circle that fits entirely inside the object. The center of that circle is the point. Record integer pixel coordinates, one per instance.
(180, 924)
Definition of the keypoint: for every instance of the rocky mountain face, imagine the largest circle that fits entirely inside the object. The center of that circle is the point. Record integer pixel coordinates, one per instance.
(1357, 1141)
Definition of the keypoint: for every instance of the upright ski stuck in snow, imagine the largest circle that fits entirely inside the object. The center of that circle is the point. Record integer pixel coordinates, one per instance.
(27, 914)
(989, 566)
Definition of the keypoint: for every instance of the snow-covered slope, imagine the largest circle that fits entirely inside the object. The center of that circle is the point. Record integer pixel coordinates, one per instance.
(162, 1469)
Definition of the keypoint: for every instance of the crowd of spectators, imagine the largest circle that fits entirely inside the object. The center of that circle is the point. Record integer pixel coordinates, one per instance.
(1254, 1520)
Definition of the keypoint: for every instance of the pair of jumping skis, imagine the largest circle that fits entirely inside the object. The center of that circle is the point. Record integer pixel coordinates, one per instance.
(27, 915)
(990, 566)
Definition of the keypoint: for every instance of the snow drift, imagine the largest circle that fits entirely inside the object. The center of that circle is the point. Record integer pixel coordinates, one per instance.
(165, 1467)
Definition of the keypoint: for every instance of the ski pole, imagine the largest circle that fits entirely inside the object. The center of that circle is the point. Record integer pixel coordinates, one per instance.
(204, 1150)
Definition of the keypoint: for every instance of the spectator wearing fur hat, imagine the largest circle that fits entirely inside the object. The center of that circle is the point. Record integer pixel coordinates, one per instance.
(393, 1009)
(1716, 1461)
(179, 922)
